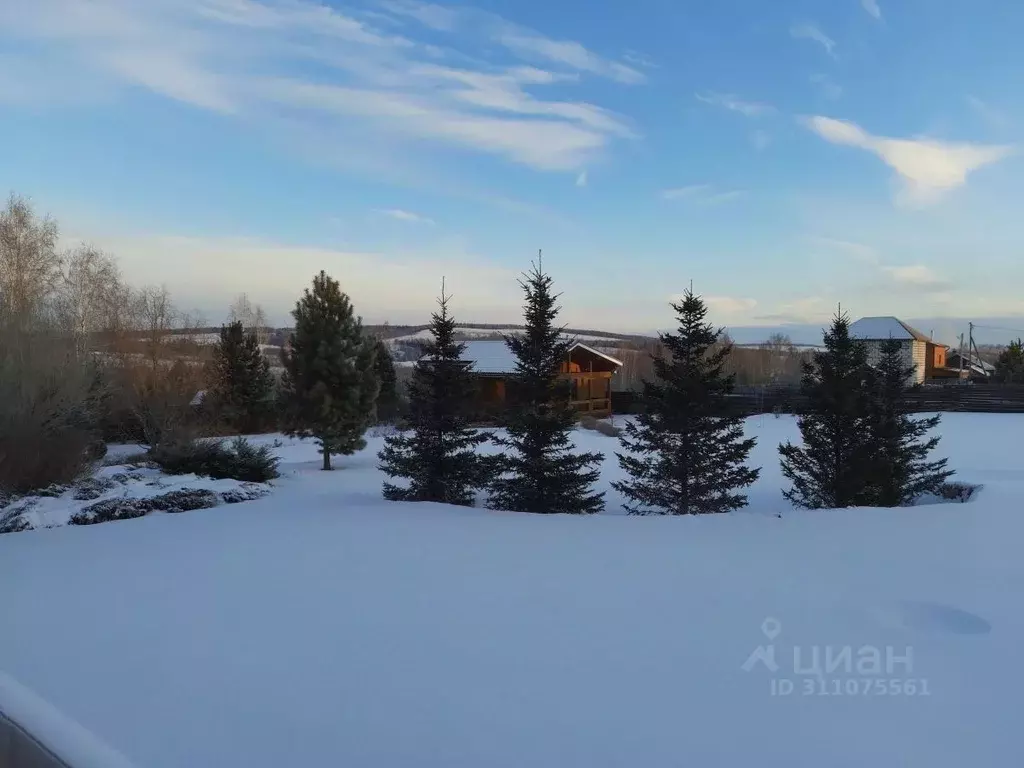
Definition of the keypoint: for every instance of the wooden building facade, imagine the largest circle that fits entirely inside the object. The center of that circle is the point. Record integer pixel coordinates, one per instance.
(587, 370)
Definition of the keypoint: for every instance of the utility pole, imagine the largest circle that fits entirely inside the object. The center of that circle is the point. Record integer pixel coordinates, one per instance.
(960, 376)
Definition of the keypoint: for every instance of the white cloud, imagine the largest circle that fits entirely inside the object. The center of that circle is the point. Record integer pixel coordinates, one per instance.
(436, 17)
(568, 53)
(729, 305)
(639, 59)
(247, 58)
(812, 32)
(871, 6)
(927, 168)
(808, 309)
(734, 103)
(918, 277)
(690, 191)
(581, 180)
(408, 216)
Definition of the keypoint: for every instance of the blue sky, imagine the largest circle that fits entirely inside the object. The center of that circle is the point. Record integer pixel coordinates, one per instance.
(784, 156)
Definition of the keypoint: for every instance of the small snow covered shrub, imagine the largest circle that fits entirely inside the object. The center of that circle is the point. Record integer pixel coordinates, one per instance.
(238, 460)
(960, 492)
(588, 422)
(126, 508)
(609, 429)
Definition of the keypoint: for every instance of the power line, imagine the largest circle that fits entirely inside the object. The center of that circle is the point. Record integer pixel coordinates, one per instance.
(999, 328)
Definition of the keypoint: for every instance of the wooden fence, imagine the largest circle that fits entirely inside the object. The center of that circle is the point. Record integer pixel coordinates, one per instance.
(969, 398)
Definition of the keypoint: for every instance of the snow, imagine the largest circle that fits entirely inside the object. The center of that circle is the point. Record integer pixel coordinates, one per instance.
(65, 738)
(322, 625)
(496, 357)
(120, 481)
(425, 334)
(874, 328)
(490, 356)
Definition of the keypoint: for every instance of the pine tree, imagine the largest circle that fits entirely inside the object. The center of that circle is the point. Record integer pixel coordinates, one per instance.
(1010, 364)
(436, 452)
(243, 386)
(685, 455)
(540, 471)
(900, 470)
(329, 388)
(831, 468)
(387, 398)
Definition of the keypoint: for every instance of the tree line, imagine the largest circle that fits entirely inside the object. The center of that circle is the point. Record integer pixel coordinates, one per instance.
(82, 351)
(684, 453)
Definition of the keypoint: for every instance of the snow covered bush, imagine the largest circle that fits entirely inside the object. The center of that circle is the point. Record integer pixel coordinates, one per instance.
(238, 460)
(128, 507)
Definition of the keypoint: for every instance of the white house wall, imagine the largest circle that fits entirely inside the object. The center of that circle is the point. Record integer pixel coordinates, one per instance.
(911, 353)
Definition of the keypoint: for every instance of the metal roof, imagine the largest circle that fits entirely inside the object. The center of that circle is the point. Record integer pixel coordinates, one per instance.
(876, 328)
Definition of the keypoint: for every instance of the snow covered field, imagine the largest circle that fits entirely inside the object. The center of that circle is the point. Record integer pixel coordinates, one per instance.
(323, 626)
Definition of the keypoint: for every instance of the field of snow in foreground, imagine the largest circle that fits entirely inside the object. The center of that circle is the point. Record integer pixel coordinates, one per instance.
(323, 626)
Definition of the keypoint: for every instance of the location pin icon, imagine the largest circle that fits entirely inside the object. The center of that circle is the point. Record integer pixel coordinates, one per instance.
(771, 628)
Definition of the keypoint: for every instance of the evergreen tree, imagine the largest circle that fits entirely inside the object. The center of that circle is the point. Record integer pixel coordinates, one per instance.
(685, 455)
(387, 398)
(329, 387)
(831, 468)
(900, 470)
(243, 386)
(1010, 364)
(436, 453)
(540, 472)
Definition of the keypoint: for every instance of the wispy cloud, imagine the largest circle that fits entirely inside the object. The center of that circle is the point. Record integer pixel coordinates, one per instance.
(568, 53)
(917, 277)
(847, 248)
(829, 88)
(704, 194)
(928, 169)
(807, 309)
(808, 31)
(639, 59)
(407, 216)
(760, 139)
(992, 116)
(249, 59)
(679, 193)
(871, 6)
(581, 180)
(729, 305)
(734, 103)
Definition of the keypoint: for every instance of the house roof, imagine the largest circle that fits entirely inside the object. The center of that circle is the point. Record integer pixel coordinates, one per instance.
(495, 357)
(876, 328)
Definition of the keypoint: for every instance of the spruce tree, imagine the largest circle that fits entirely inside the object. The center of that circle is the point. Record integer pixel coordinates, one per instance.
(329, 387)
(831, 468)
(685, 455)
(1010, 364)
(435, 453)
(243, 386)
(540, 471)
(900, 469)
(387, 398)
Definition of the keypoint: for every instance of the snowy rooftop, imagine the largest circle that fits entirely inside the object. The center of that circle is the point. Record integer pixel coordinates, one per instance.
(872, 328)
(490, 356)
(496, 357)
